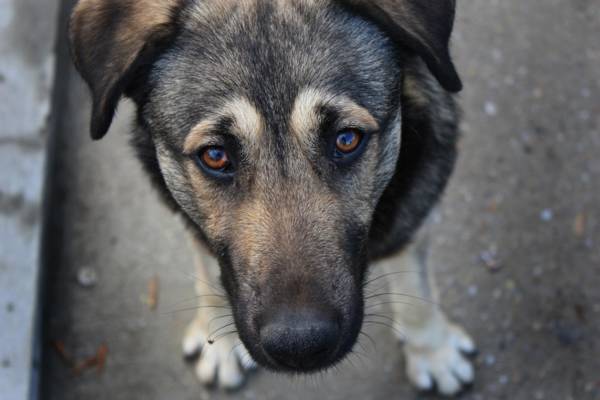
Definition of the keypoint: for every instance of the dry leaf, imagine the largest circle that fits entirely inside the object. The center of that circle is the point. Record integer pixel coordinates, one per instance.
(579, 225)
(101, 355)
(62, 353)
(98, 360)
(153, 287)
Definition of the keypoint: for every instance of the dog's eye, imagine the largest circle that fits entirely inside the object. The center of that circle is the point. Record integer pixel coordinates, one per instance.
(215, 158)
(347, 142)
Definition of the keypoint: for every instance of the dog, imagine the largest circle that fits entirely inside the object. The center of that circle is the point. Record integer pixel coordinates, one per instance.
(303, 142)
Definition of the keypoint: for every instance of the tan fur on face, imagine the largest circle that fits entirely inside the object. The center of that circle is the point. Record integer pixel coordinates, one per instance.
(287, 225)
(248, 124)
(305, 118)
(413, 91)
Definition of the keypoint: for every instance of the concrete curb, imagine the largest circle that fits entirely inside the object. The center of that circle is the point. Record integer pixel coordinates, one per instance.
(27, 69)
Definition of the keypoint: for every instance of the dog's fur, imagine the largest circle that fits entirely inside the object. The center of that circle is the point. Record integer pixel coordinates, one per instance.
(291, 230)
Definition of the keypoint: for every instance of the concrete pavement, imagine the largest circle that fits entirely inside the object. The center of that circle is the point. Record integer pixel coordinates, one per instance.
(27, 32)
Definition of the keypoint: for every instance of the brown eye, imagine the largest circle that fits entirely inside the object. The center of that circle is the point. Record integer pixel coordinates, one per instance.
(348, 141)
(215, 158)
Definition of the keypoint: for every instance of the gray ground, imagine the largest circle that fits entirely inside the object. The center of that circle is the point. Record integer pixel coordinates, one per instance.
(525, 198)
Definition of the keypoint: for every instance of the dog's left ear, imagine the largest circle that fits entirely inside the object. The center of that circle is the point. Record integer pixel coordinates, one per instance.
(423, 26)
(111, 40)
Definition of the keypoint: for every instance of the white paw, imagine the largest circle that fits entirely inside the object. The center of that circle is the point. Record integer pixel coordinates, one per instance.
(222, 363)
(444, 365)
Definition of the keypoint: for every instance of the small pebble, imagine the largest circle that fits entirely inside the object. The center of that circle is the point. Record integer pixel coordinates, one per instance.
(538, 271)
(436, 217)
(490, 360)
(5, 363)
(585, 177)
(522, 70)
(584, 115)
(546, 215)
(490, 108)
(503, 379)
(87, 277)
(497, 54)
(589, 387)
(490, 259)
(510, 285)
(473, 290)
(539, 395)
(250, 395)
(586, 93)
(567, 335)
(10, 307)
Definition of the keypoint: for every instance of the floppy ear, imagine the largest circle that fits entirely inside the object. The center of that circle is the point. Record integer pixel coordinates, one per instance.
(423, 26)
(110, 41)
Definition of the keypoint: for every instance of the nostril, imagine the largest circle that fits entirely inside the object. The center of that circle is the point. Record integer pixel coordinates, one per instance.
(300, 339)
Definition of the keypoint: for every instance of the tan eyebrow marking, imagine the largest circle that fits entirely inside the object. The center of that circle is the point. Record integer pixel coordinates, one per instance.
(305, 117)
(194, 139)
(247, 123)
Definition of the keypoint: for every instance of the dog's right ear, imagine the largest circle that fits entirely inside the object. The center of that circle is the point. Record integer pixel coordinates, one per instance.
(423, 26)
(111, 40)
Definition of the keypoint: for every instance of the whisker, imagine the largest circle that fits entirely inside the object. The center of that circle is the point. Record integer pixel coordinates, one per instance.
(207, 283)
(196, 298)
(217, 330)
(386, 275)
(403, 295)
(382, 316)
(220, 336)
(349, 360)
(375, 290)
(392, 321)
(362, 347)
(398, 331)
(390, 302)
(218, 317)
(373, 343)
(363, 359)
(194, 309)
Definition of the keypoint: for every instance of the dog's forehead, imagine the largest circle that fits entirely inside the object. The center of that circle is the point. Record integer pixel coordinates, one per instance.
(270, 54)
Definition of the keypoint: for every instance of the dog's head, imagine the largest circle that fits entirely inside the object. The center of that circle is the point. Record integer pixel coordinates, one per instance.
(277, 127)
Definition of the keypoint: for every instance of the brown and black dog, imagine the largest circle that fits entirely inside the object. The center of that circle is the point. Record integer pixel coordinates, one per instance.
(302, 141)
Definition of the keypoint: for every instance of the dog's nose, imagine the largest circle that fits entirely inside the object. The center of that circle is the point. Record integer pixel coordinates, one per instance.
(301, 339)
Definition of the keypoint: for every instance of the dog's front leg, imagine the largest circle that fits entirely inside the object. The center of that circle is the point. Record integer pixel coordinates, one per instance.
(223, 358)
(434, 347)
